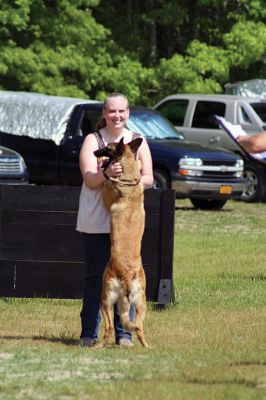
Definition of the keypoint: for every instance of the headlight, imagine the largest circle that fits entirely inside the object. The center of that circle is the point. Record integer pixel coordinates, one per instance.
(189, 162)
(239, 164)
(240, 168)
(190, 172)
(188, 166)
(22, 164)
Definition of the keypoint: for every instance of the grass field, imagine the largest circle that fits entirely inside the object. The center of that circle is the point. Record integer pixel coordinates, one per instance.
(210, 344)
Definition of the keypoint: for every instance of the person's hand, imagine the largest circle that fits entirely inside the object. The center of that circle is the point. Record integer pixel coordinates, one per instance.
(240, 137)
(114, 170)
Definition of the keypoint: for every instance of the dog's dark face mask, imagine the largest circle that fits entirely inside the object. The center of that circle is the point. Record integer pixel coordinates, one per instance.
(114, 151)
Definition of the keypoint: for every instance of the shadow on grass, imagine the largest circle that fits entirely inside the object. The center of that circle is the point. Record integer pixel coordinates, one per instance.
(52, 339)
(259, 277)
(202, 210)
(248, 363)
(237, 381)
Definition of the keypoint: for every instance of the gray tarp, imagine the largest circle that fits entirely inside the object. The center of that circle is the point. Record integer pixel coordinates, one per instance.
(251, 88)
(36, 115)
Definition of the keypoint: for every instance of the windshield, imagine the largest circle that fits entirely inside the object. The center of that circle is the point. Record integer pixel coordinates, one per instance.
(152, 126)
(260, 109)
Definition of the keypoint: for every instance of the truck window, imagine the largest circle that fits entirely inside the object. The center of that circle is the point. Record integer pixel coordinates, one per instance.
(204, 111)
(90, 118)
(243, 116)
(174, 111)
(85, 126)
(260, 109)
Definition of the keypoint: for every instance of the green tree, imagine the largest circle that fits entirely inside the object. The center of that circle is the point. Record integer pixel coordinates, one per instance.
(200, 71)
(52, 46)
(246, 44)
(188, 45)
(144, 48)
(155, 29)
(57, 47)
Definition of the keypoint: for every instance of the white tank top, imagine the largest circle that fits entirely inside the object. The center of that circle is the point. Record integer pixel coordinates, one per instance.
(93, 217)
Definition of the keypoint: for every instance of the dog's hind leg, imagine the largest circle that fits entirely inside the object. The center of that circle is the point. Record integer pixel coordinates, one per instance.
(140, 309)
(106, 309)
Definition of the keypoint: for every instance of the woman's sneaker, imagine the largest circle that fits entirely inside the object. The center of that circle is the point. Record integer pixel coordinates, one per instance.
(125, 342)
(87, 341)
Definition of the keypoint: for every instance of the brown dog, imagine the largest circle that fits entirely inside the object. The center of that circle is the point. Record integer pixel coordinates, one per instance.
(124, 279)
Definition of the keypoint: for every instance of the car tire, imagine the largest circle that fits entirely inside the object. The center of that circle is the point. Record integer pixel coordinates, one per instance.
(161, 180)
(204, 204)
(256, 179)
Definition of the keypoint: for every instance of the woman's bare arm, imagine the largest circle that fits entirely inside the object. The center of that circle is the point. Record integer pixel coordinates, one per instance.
(144, 155)
(92, 175)
(253, 143)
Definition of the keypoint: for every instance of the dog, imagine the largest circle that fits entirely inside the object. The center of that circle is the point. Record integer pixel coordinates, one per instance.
(124, 280)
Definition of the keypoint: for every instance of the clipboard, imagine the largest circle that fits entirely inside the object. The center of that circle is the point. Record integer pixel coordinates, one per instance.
(234, 131)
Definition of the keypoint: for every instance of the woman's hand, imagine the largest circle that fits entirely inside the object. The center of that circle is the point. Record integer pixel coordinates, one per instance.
(114, 170)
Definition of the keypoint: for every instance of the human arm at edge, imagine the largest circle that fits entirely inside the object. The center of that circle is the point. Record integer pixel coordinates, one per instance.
(144, 155)
(91, 175)
(253, 143)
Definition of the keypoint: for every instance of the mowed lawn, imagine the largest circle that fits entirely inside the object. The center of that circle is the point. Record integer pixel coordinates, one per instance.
(210, 344)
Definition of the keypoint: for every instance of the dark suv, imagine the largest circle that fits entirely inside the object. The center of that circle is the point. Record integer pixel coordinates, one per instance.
(13, 170)
(54, 129)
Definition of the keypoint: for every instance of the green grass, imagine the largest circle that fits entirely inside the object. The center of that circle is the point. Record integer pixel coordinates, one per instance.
(211, 344)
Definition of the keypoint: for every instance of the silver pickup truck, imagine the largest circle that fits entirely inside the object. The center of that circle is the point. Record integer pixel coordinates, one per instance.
(192, 115)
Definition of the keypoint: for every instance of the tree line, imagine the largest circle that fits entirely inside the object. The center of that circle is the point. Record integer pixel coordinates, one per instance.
(146, 49)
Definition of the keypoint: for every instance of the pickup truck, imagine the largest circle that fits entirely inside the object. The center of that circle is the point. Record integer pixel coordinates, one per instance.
(48, 132)
(192, 114)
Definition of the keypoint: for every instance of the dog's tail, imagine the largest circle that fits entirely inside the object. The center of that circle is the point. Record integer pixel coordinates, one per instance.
(124, 305)
(126, 322)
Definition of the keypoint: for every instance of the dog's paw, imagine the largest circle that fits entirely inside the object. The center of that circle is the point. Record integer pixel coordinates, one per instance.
(99, 345)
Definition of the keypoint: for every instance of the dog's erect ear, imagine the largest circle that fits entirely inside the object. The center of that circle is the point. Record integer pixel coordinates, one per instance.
(135, 144)
(120, 149)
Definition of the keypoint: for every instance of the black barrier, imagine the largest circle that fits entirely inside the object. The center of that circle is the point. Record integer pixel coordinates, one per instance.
(41, 253)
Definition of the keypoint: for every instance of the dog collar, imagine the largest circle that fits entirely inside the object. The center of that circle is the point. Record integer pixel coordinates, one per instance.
(124, 182)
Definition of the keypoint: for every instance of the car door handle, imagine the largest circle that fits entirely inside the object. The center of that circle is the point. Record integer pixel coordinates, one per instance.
(215, 139)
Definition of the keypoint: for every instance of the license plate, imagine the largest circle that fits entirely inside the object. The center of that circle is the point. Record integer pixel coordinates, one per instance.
(225, 189)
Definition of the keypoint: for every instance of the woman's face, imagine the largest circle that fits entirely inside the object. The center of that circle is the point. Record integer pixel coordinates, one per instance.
(116, 112)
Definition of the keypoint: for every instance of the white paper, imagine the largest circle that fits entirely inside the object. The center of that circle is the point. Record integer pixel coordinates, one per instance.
(235, 131)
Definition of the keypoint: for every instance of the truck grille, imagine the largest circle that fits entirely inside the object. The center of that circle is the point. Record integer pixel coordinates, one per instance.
(218, 174)
(9, 164)
(218, 169)
(219, 163)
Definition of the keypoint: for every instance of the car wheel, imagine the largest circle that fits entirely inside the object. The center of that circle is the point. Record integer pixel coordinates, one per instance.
(161, 180)
(203, 204)
(255, 189)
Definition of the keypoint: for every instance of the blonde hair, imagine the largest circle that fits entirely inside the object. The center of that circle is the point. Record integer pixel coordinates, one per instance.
(102, 123)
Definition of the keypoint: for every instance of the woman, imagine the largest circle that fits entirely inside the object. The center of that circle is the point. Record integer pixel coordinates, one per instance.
(94, 219)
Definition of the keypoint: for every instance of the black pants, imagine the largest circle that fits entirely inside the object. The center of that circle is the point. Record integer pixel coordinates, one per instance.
(97, 253)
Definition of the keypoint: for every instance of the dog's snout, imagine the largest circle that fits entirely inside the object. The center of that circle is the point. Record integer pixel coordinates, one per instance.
(98, 153)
